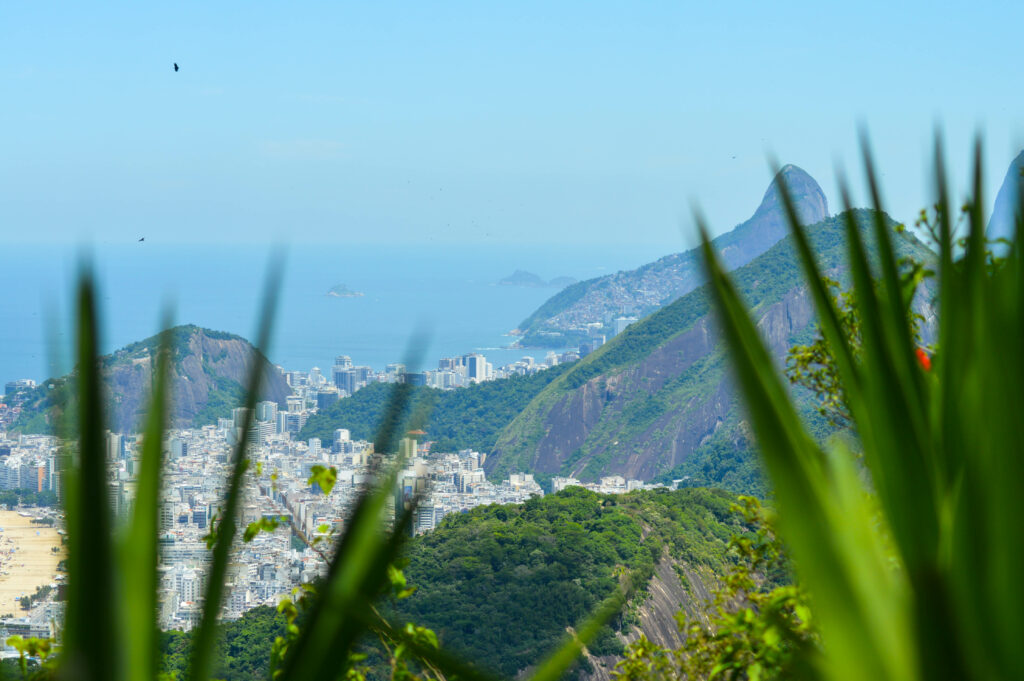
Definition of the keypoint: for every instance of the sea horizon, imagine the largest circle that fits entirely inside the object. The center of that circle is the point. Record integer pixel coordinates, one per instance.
(450, 293)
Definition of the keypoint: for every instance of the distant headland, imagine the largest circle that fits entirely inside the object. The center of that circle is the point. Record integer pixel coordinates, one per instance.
(526, 279)
(342, 291)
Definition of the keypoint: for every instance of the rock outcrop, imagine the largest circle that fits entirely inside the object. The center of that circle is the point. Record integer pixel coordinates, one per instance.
(675, 586)
(209, 371)
(1006, 210)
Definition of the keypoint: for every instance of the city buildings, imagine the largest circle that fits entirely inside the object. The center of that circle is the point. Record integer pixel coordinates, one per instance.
(279, 484)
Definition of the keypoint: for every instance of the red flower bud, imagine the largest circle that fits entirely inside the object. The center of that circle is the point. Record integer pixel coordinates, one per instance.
(923, 359)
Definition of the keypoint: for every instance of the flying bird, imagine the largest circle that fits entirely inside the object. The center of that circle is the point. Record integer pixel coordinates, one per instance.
(142, 238)
(175, 67)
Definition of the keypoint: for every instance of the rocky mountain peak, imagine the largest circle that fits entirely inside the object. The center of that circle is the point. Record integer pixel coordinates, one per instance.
(1007, 205)
(810, 200)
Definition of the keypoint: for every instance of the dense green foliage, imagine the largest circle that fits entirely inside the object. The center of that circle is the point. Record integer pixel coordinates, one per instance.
(502, 583)
(910, 551)
(45, 404)
(756, 625)
(243, 650)
(220, 401)
(464, 418)
(27, 497)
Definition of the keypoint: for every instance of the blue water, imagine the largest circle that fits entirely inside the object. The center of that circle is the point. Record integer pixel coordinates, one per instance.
(448, 292)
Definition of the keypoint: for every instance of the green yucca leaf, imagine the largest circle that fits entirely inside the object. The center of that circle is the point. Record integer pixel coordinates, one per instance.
(559, 661)
(829, 318)
(451, 666)
(914, 496)
(205, 636)
(357, 572)
(90, 628)
(138, 549)
(986, 434)
(941, 446)
(356, 577)
(944, 412)
(836, 547)
(885, 415)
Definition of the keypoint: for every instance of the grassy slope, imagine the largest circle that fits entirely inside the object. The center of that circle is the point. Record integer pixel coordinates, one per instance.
(763, 282)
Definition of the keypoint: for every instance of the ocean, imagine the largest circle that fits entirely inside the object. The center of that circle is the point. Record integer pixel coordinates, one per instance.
(450, 293)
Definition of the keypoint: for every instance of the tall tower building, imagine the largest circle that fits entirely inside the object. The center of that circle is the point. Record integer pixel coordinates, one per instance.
(476, 367)
(266, 411)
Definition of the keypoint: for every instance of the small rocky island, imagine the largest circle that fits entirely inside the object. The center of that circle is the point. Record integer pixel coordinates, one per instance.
(525, 279)
(342, 291)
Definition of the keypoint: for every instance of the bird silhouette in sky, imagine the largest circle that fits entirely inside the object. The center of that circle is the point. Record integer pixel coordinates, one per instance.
(142, 238)
(175, 67)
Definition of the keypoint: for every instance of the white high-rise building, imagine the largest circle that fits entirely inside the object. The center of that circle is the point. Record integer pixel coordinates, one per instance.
(622, 322)
(476, 367)
(266, 411)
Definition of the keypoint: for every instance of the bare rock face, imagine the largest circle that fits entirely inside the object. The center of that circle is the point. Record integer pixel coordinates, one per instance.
(675, 586)
(208, 369)
(644, 403)
(1006, 210)
(209, 373)
(680, 428)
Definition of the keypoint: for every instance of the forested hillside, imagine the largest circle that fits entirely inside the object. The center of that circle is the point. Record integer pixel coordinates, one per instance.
(464, 418)
(657, 400)
(500, 584)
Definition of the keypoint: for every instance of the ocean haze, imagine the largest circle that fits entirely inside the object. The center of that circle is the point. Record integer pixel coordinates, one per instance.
(452, 292)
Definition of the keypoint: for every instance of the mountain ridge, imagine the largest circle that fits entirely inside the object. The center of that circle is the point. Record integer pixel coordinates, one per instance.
(659, 394)
(588, 307)
(208, 374)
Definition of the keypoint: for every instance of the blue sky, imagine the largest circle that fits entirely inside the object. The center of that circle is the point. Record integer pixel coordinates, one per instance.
(477, 123)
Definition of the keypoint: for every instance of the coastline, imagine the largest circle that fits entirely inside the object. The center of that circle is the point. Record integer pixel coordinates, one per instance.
(27, 558)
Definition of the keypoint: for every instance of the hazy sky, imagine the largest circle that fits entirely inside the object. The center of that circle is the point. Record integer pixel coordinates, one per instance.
(475, 123)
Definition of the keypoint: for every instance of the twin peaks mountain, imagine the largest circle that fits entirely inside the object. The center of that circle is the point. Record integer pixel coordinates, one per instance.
(208, 374)
(590, 307)
(658, 401)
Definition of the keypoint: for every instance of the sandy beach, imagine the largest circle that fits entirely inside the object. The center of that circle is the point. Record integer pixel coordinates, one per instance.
(26, 559)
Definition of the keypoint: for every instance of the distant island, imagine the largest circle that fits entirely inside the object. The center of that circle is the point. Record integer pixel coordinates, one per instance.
(342, 291)
(525, 279)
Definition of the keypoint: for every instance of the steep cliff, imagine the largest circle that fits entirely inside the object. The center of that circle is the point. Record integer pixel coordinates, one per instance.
(675, 586)
(209, 370)
(659, 394)
(570, 315)
(502, 584)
